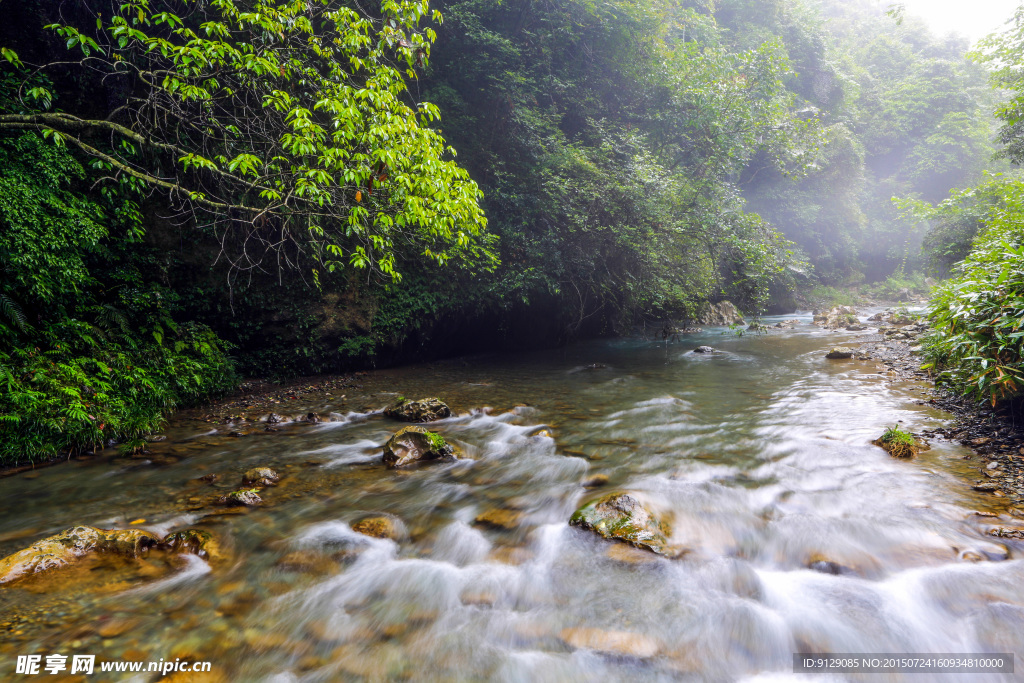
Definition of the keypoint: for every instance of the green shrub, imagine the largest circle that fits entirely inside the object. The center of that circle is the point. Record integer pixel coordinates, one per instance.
(978, 316)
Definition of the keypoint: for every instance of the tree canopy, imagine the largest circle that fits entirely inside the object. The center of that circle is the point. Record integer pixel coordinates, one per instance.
(282, 124)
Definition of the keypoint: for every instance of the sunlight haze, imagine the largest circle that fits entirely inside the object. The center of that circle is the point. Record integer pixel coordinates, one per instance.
(974, 20)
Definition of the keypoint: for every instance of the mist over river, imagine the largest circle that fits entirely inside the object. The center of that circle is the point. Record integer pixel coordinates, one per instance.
(800, 535)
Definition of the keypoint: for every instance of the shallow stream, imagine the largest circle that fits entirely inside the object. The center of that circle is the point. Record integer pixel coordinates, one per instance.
(801, 535)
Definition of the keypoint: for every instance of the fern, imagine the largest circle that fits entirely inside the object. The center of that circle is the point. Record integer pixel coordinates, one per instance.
(13, 313)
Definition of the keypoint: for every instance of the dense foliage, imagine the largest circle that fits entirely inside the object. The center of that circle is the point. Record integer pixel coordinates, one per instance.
(89, 350)
(977, 237)
(978, 315)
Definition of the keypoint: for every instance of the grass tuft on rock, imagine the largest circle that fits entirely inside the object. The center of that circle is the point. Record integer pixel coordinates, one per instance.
(898, 443)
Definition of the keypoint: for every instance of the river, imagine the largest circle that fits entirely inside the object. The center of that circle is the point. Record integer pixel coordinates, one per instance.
(801, 535)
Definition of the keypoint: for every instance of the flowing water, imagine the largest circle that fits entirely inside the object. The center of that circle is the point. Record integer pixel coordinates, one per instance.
(801, 535)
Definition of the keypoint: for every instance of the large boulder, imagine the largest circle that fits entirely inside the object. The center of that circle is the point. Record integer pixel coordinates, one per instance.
(70, 545)
(415, 444)
(423, 410)
(837, 318)
(621, 517)
(724, 313)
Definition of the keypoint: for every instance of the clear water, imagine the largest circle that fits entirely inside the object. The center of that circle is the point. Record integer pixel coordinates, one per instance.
(759, 456)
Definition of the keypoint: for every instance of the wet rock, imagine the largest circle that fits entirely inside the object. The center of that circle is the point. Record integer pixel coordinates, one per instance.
(620, 643)
(260, 476)
(724, 313)
(595, 481)
(820, 563)
(307, 562)
(415, 444)
(620, 552)
(481, 597)
(380, 526)
(704, 349)
(127, 542)
(67, 547)
(620, 516)
(511, 555)
(856, 328)
(113, 628)
(840, 352)
(198, 542)
(498, 518)
(242, 498)
(207, 478)
(313, 418)
(273, 418)
(423, 410)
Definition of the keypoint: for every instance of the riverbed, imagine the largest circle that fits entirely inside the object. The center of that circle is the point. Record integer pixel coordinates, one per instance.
(799, 534)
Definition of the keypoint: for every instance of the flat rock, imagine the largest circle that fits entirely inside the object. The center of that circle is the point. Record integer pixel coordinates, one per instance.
(840, 352)
(499, 518)
(620, 643)
(422, 410)
(67, 547)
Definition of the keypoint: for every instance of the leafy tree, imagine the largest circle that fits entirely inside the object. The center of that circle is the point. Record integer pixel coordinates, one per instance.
(1002, 51)
(282, 124)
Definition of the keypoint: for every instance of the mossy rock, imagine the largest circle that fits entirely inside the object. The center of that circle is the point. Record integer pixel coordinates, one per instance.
(410, 445)
(260, 476)
(840, 353)
(198, 542)
(621, 517)
(423, 410)
(242, 498)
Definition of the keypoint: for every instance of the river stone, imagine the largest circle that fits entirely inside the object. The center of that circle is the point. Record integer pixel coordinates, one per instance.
(620, 516)
(242, 497)
(198, 542)
(423, 410)
(704, 349)
(69, 546)
(379, 526)
(129, 542)
(840, 352)
(260, 476)
(499, 518)
(621, 643)
(414, 444)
